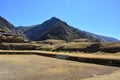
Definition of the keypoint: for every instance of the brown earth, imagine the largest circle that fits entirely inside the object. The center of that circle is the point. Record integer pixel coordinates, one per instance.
(33, 67)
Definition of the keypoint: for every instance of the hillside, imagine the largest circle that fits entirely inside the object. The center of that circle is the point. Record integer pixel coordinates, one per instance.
(7, 27)
(8, 32)
(55, 28)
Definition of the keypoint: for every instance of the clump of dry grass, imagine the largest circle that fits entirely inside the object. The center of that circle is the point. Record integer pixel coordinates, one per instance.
(52, 41)
(58, 70)
(45, 47)
(75, 45)
(81, 40)
(17, 46)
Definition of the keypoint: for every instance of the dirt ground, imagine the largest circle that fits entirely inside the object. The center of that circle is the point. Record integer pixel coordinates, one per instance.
(34, 67)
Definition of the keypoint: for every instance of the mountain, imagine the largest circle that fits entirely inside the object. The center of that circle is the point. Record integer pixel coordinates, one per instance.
(7, 27)
(103, 38)
(55, 28)
(7, 30)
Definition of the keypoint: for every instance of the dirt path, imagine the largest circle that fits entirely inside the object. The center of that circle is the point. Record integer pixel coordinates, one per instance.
(34, 67)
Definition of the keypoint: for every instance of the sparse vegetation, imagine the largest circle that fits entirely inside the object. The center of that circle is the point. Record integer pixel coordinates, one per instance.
(60, 45)
(81, 40)
(33, 67)
(113, 76)
(11, 39)
(36, 67)
(54, 50)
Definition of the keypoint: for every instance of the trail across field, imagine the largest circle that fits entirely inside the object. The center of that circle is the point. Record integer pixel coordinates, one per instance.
(35, 67)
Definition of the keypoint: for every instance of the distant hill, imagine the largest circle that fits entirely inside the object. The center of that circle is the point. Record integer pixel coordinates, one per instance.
(103, 38)
(7, 27)
(8, 32)
(55, 28)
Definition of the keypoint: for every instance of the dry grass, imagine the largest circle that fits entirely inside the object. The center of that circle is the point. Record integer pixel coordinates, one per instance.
(52, 41)
(59, 45)
(77, 45)
(14, 60)
(58, 70)
(78, 54)
(91, 47)
(33, 67)
(113, 76)
(110, 44)
(87, 55)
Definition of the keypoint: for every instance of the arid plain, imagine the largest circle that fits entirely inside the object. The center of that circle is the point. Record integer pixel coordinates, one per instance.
(35, 67)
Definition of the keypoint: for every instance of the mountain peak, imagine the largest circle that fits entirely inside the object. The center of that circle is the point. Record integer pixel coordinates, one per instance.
(55, 28)
(55, 19)
(2, 19)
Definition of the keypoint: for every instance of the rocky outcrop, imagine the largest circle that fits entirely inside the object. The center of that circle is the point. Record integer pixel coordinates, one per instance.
(8, 31)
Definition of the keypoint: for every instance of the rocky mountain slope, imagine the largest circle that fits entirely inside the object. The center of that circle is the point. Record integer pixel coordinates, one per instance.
(7, 27)
(8, 32)
(55, 28)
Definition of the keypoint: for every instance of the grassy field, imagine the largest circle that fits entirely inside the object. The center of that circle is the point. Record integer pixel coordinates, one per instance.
(87, 55)
(59, 45)
(34, 67)
(113, 76)
(78, 54)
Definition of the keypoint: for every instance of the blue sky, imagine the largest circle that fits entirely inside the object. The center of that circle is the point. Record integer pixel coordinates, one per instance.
(96, 16)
